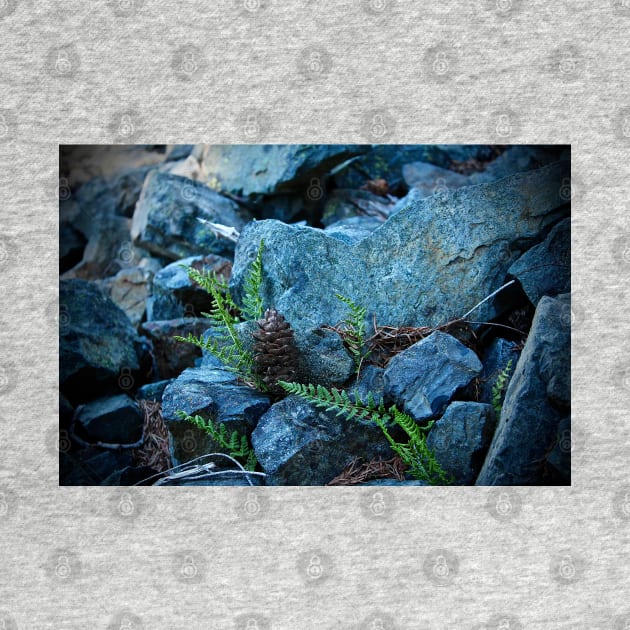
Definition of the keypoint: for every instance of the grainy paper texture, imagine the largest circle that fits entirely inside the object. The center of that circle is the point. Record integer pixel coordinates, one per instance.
(501, 71)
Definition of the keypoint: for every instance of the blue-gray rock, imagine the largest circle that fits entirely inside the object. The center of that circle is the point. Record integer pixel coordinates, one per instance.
(517, 159)
(113, 420)
(460, 439)
(71, 246)
(178, 152)
(348, 203)
(558, 462)
(226, 478)
(299, 445)
(429, 179)
(495, 359)
(422, 379)
(433, 260)
(546, 268)
(165, 221)
(371, 381)
(353, 229)
(385, 161)
(270, 169)
(153, 391)
(97, 341)
(323, 358)
(176, 295)
(90, 468)
(171, 357)
(537, 399)
(214, 394)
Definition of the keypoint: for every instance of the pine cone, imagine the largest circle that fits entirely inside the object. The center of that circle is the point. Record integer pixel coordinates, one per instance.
(275, 353)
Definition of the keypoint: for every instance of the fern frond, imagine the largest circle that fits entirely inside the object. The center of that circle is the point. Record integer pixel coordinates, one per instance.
(353, 330)
(419, 458)
(499, 387)
(236, 446)
(252, 300)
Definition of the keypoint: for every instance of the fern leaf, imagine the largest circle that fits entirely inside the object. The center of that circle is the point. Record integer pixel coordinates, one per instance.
(252, 300)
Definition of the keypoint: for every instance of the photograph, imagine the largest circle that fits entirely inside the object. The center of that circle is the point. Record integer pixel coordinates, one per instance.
(314, 315)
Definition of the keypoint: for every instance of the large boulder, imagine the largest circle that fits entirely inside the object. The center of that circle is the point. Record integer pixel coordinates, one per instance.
(546, 268)
(460, 439)
(171, 356)
(422, 379)
(433, 260)
(97, 342)
(165, 221)
(299, 445)
(175, 295)
(214, 394)
(270, 169)
(537, 400)
(113, 420)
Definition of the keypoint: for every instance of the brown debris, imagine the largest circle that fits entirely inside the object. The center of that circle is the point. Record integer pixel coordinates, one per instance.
(355, 472)
(154, 452)
(473, 165)
(377, 187)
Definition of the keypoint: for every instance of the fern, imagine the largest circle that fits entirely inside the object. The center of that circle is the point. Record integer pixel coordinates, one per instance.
(223, 341)
(499, 387)
(415, 453)
(235, 445)
(252, 300)
(353, 331)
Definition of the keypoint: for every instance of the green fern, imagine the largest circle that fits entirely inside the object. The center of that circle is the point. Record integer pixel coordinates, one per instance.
(499, 387)
(415, 453)
(236, 446)
(252, 300)
(353, 331)
(223, 341)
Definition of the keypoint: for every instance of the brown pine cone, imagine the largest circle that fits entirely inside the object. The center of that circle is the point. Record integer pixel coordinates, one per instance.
(275, 353)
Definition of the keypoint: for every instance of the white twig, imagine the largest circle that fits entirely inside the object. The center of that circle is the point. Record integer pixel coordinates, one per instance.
(474, 308)
(226, 231)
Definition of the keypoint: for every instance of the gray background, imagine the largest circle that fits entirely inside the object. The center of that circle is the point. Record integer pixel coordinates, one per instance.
(271, 71)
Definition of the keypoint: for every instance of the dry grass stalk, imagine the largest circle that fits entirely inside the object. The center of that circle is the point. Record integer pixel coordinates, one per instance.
(356, 473)
(154, 452)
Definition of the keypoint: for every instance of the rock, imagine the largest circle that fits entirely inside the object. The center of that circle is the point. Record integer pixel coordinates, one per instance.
(171, 356)
(176, 295)
(297, 444)
(129, 289)
(517, 159)
(227, 478)
(433, 260)
(178, 152)
(97, 342)
(386, 162)
(153, 391)
(344, 204)
(251, 169)
(371, 380)
(132, 475)
(323, 358)
(429, 179)
(353, 229)
(90, 466)
(495, 359)
(71, 246)
(460, 439)
(113, 420)
(422, 379)
(212, 393)
(546, 268)
(536, 401)
(165, 219)
(559, 460)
